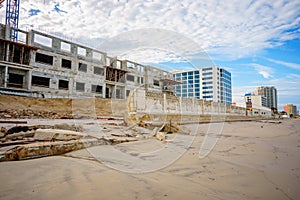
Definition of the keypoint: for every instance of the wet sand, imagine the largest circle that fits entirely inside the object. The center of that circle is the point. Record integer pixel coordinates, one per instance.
(251, 160)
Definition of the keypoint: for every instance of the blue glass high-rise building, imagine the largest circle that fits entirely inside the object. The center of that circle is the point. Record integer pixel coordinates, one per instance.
(209, 83)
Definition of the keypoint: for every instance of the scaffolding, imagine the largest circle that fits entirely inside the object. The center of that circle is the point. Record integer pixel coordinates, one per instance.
(115, 74)
(12, 18)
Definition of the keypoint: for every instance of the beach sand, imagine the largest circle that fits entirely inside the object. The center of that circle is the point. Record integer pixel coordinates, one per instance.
(251, 160)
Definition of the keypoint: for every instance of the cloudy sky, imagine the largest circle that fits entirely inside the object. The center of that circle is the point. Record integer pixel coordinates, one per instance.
(256, 40)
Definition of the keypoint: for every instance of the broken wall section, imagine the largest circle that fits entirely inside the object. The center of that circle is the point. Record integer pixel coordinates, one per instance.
(161, 107)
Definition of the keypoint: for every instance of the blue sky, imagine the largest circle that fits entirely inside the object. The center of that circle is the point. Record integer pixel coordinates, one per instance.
(258, 41)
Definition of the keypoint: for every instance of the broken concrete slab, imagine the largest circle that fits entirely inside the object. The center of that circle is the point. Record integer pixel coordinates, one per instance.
(41, 149)
(117, 140)
(57, 134)
(121, 134)
(19, 135)
(141, 130)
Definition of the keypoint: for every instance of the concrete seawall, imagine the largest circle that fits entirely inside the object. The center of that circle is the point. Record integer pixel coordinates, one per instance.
(159, 108)
(76, 106)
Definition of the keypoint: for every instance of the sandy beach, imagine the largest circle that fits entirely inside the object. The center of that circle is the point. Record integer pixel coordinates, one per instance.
(251, 160)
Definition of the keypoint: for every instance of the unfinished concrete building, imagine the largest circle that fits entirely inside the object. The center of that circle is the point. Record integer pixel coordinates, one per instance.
(41, 65)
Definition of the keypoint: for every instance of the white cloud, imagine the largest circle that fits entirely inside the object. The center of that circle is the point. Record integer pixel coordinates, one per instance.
(227, 28)
(265, 71)
(287, 64)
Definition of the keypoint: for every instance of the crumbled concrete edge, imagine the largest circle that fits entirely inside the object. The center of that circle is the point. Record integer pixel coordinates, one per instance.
(42, 149)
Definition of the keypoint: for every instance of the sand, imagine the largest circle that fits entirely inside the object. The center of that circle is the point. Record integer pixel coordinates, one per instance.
(251, 160)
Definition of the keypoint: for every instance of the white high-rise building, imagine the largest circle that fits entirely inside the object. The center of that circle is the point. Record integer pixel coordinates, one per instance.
(209, 83)
(270, 93)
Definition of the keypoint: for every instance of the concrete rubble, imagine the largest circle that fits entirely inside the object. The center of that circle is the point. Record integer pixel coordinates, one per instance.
(25, 142)
(33, 141)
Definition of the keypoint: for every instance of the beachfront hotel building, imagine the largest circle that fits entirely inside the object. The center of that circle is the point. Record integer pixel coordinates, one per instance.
(270, 93)
(208, 83)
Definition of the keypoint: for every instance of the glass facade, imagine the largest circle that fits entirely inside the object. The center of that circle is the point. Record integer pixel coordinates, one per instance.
(205, 83)
(226, 95)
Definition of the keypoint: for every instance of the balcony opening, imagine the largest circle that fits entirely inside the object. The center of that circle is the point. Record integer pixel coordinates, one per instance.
(63, 85)
(43, 58)
(66, 63)
(40, 81)
(97, 89)
(15, 80)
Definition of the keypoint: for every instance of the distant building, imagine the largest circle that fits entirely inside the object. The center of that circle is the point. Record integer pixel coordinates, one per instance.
(290, 109)
(256, 100)
(270, 93)
(208, 83)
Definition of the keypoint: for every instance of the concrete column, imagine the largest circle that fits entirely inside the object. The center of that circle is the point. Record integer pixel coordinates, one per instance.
(165, 104)
(103, 90)
(7, 32)
(29, 75)
(30, 38)
(7, 52)
(123, 93)
(113, 92)
(5, 76)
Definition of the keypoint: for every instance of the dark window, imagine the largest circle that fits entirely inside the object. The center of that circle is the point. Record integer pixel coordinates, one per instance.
(207, 73)
(15, 80)
(99, 71)
(66, 63)
(16, 54)
(206, 69)
(138, 79)
(40, 81)
(142, 80)
(97, 89)
(130, 78)
(207, 78)
(155, 82)
(79, 87)
(63, 85)
(206, 83)
(207, 92)
(118, 93)
(42, 58)
(82, 67)
(127, 93)
(207, 87)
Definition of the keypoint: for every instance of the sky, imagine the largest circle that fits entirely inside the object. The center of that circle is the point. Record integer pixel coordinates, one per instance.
(258, 41)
